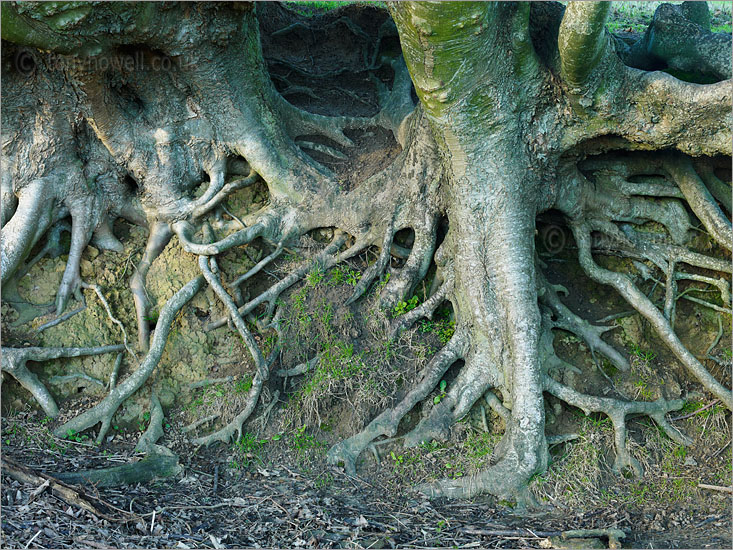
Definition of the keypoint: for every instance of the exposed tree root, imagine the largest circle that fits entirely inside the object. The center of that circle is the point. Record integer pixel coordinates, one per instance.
(325, 260)
(645, 307)
(98, 292)
(679, 39)
(617, 411)
(567, 320)
(386, 423)
(160, 235)
(474, 150)
(105, 410)
(156, 465)
(14, 363)
(154, 432)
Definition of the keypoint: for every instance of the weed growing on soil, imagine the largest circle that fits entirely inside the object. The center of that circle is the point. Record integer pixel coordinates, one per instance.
(353, 367)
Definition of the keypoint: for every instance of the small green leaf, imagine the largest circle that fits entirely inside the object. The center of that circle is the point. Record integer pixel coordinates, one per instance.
(443, 385)
(436, 400)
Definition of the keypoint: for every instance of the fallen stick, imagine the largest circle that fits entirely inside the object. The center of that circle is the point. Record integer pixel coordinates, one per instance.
(698, 411)
(71, 495)
(716, 488)
(613, 535)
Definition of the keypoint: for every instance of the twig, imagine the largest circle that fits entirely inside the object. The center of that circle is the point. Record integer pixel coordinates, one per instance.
(27, 544)
(716, 488)
(712, 403)
(723, 448)
(61, 319)
(191, 427)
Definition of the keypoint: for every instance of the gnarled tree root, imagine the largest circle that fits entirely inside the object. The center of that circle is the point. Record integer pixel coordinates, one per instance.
(14, 363)
(386, 423)
(617, 411)
(105, 410)
(153, 466)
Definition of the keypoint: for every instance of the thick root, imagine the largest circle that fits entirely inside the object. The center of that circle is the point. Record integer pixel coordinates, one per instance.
(645, 307)
(160, 235)
(146, 443)
(617, 411)
(386, 423)
(14, 363)
(153, 466)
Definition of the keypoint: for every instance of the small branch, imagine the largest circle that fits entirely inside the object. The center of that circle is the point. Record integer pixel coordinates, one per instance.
(66, 316)
(582, 40)
(256, 269)
(156, 465)
(200, 422)
(299, 369)
(715, 488)
(698, 411)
